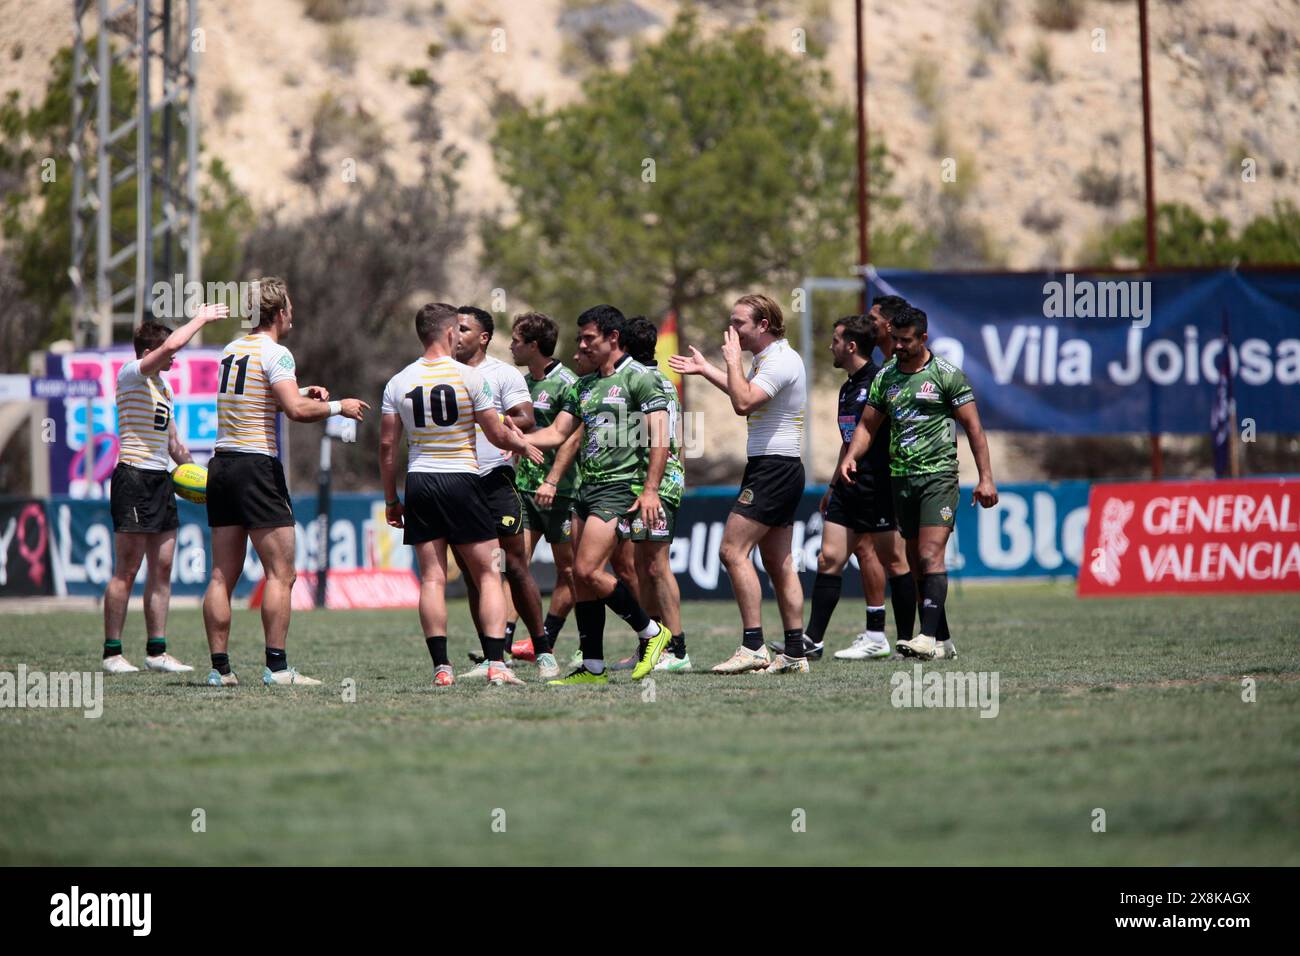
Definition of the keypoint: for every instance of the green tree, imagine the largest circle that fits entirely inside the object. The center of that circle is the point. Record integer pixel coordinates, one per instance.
(710, 166)
(37, 210)
(1185, 238)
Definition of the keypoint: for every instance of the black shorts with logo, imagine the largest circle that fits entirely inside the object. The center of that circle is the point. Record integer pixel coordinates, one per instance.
(504, 503)
(142, 500)
(864, 508)
(446, 505)
(770, 490)
(247, 490)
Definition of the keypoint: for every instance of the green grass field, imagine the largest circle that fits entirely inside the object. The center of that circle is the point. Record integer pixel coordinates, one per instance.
(1132, 706)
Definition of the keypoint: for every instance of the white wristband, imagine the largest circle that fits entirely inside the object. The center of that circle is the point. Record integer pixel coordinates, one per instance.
(336, 408)
(303, 391)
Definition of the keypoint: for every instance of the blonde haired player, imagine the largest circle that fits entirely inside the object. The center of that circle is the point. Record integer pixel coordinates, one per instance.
(437, 401)
(141, 497)
(248, 499)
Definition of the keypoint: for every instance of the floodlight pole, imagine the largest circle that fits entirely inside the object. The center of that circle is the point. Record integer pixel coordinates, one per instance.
(1152, 252)
(860, 88)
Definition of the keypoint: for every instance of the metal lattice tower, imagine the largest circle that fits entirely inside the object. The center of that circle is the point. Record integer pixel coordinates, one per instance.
(155, 147)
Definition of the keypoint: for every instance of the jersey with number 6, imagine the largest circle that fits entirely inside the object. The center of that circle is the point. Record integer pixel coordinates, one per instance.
(246, 405)
(144, 412)
(437, 399)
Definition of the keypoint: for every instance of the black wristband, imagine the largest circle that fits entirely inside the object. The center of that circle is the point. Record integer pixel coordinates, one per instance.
(395, 501)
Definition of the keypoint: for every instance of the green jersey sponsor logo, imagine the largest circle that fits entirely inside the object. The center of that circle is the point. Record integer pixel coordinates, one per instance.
(550, 394)
(613, 410)
(920, 406)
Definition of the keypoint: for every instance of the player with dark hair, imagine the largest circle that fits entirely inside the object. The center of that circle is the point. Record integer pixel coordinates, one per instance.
(547, 488)
(440, 403)
(617, 406)
(510, 395)
(141, 497)
(921, 395)
(773, 397)
(657, 585)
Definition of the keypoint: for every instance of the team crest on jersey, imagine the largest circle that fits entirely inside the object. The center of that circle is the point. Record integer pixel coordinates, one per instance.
(945, 513)
(928, 392)
(508, 520)
(543, 400)
(862, 395)
(286, 361)
(637, 525)
(584, 396)
(746, 496)
(892, 392)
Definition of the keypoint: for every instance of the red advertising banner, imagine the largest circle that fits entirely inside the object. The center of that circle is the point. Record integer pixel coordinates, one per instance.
(1192, 537)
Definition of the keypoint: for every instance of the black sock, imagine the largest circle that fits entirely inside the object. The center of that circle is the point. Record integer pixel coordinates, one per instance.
(551, 633)
(902, 594)
(221, 663)
(641, 644)
(622, 603)
(826, 594)
(943, 634)
(438, 649)
(590, 616)
(752, 638)
(112, 648)
(155, 646)
(494, 649)
(276, 660)
(934, 591)
(794, 643)
(678, 645)
(876, 619)
(510, 631)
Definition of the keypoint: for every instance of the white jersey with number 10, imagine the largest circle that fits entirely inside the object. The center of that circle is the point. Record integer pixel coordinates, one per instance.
(437, 399)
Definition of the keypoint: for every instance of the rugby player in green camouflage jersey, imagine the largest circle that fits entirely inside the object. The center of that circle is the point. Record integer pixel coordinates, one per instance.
(547, 489)
(624, 416)
(658, 586)
(922, 394)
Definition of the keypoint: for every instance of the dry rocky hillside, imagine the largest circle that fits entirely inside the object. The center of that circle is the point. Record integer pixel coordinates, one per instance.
(1038, 101)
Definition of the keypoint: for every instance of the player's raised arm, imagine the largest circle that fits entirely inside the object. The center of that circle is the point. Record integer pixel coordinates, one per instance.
(862, 437)
(158, 358)
(985, 493)
(303, 408)
(746, 396)
(390, 434)
(697, 364)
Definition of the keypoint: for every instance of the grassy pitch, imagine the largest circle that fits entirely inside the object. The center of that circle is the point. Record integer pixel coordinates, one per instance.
(1133, 707)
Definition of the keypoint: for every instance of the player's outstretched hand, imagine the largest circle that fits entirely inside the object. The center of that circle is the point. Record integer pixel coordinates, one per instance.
(212, 312)
(985, 494)
(354, 408)
(533, 453)
(318, 392)
(394, 514)
(731, 346)
(693, 364)
(848, 468)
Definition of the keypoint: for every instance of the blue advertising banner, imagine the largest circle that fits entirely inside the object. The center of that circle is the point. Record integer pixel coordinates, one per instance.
(1103, 354)
(1036, 530)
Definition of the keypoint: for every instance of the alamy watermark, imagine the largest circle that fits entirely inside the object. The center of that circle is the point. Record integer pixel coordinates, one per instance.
(176, 299)
(77, 690)
(1090, 299)
(973, 689)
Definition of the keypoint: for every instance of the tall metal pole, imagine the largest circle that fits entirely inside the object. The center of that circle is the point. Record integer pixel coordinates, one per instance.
(860, 84)
(144, 171)
(1152, 256)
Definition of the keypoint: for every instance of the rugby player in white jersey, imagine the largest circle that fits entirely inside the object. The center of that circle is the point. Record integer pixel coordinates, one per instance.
(141, 497)
(248, 499)
(773, 397)
(510, 395)
(438, 402)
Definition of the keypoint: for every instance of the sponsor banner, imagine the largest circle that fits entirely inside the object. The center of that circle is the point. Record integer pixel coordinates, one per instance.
(1193, 537)
(193, 378)
(24, 549)
(1036, 530)
(81, 545)
(352, 589)
(1090, 353)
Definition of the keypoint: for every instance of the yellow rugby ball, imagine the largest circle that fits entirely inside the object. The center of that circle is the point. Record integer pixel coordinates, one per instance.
(191, 483)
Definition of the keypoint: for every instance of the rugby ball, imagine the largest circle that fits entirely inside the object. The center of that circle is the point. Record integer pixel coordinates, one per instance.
(191, 483)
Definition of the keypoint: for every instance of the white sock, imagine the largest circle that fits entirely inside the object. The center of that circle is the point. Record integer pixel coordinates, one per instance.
(877, 636)
(651, 630)
(596, 667)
